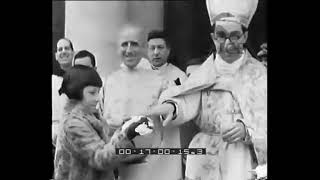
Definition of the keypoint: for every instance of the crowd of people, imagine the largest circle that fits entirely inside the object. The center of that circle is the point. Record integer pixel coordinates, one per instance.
(225, 96)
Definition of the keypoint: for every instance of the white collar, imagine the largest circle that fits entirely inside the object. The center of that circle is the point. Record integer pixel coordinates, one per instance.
(159, 68)
(126, 68)
(225, 68)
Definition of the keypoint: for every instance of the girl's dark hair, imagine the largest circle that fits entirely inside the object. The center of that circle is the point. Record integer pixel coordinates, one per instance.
(76, 79)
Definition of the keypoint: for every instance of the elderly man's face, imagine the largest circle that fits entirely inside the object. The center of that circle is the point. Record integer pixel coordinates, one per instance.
(229, 38)
(158, 52)
(130, 47)
(64, 53)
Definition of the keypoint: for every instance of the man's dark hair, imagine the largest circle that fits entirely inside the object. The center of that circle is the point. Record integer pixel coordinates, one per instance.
(76, 79)
(85, 53)
(159, 34)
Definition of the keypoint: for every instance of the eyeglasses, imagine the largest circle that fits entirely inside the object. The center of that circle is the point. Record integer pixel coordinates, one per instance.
(222, 36)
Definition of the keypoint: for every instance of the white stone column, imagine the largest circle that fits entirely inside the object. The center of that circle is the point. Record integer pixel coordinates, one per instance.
(94, 26)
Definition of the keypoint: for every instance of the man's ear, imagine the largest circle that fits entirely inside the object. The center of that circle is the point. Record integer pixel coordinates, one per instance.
(56, 55)
(245, 37)
(169, 50)
(216, 44)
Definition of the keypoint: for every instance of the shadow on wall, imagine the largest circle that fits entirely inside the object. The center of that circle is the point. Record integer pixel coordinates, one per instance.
(58, 20)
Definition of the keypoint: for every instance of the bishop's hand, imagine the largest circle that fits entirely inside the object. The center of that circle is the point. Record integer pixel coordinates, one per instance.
(165, 110)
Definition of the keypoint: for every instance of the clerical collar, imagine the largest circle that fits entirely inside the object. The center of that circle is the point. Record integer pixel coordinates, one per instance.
(159, 68)
(225, 68)
(126, 68)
